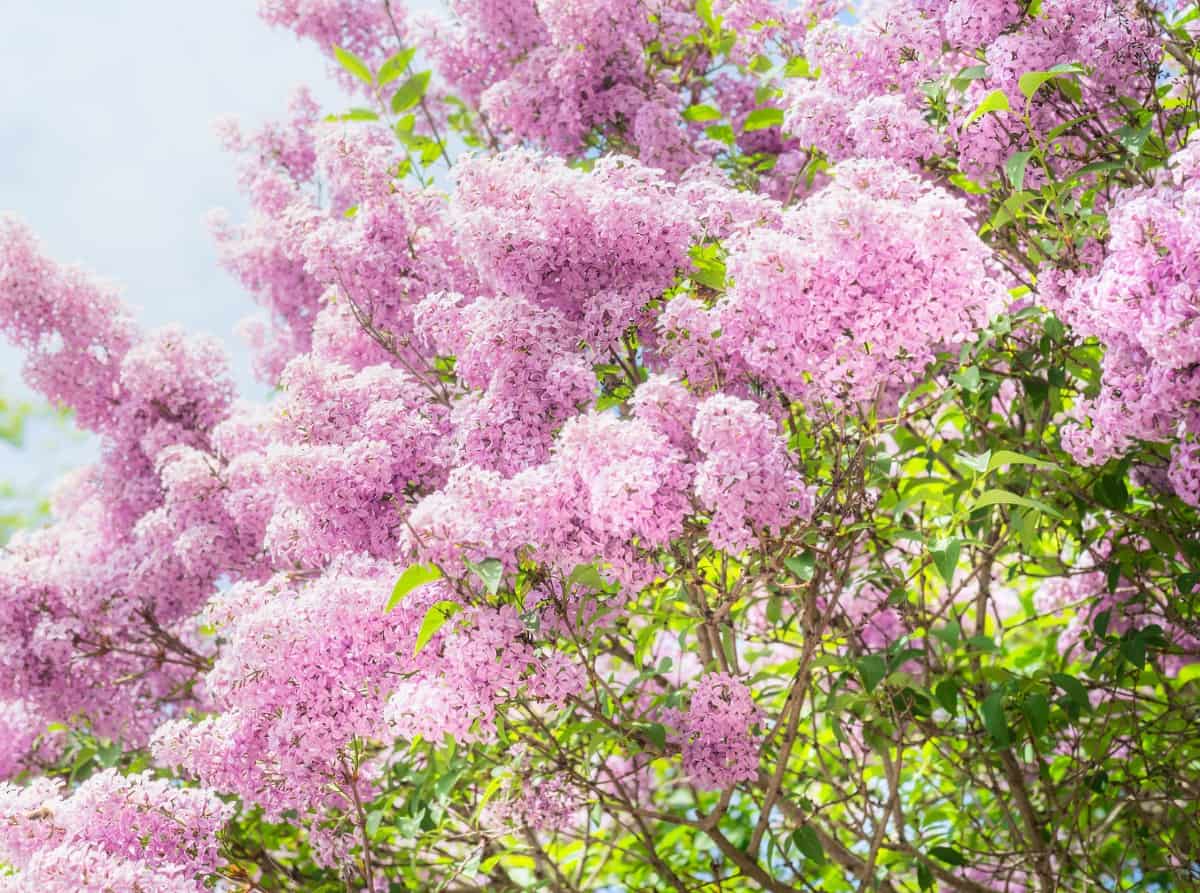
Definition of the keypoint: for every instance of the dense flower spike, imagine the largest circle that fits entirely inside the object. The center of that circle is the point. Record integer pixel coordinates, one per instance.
(747, 479)
(538, 229)
(113, 832)
(669, 412)
(719, 748)
(1140, 299)
(859, 287)
(74, 330)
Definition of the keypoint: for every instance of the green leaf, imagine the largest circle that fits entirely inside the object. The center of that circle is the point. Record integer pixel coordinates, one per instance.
(1004, 497)
(488, 793)
(710, 272)
(721, 132)
(1014, 169)
(701, 112)
(1074, 689)
(774, 609)
(414, 577)
(966, 184)
(1133, 648)
(946, 693)
(977, 463)
(1110, 491)
(797, 67)
(805, 839)
(948, 854)
(802, 566)
(1013, 205)
(430, 150)
(657, 733)
(1098, 167)
(1133, 139)
(490, 571)
(411, 92)
(982, 643)
(963, 79)
(435, 619)
(108, 753)
(395, 66)
(950, 633)
(996, 101)
(1187, 674)
(872, 668)
(992, 710)
(587, 575)
(352, 64)
(1008, 457)
(968, 379)
(1032, 81)
(761, 119)
(924, 876)
(761, 64)
(81, 763)
(357, 114)
(374, 818)
(1036, 708)
(945, 558)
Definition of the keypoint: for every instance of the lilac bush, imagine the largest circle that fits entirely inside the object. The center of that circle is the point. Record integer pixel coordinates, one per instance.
(728, 444)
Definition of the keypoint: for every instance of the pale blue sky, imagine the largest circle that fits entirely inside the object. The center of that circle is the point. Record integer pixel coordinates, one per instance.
(107, 151)
(106, 141)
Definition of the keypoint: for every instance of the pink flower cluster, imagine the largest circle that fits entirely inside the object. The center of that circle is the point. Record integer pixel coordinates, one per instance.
(869, 101)
(613, 489)
(716, 733)
(112, 832)
(858, 288)
(1139, 300)
(747, 479)
(364, 27)
(306, 668)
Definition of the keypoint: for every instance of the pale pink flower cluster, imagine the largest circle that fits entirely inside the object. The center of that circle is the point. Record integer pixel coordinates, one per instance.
(716, 732)
(1139, 299)
(112, 832)
(613, 489)
(22, 742)
(361, 26)
(541, 803)
(306, 669)
(747, 478)
(859, 288)
(869, 99)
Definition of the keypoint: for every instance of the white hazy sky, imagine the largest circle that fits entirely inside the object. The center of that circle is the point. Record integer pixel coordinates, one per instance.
(107, 150)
